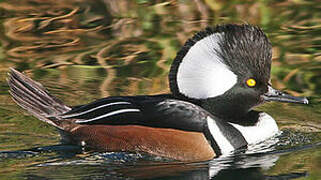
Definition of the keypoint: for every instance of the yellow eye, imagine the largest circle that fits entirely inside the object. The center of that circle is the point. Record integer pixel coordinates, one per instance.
(250, 82)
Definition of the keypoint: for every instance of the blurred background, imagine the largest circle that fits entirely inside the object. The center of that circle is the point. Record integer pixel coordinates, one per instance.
(84, 50)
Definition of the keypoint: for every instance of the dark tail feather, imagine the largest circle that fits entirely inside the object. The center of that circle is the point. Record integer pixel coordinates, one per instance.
(34, 98)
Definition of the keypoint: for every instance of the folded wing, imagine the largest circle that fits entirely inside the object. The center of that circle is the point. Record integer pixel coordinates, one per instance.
(138, 110)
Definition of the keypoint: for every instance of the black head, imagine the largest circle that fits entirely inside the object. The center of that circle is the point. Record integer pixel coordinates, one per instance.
(224, 69)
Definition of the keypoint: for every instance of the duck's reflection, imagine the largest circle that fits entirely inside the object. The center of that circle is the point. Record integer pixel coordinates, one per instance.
(233, 167)
(139, 166)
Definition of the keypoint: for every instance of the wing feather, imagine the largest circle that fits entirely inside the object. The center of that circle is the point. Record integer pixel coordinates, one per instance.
(113, 110)
(135, 110)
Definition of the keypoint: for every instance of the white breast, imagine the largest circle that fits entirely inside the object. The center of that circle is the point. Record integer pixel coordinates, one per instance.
(265, 128)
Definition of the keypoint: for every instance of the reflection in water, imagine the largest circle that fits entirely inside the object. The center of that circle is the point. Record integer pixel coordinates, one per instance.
(84, 50)
(52, 28)
(139, 40)
(251, 165)
(138, 166)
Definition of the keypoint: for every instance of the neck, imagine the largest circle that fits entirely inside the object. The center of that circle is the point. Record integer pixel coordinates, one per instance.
(249, 119)
(236, 113)
(221, 107)
(224, 107)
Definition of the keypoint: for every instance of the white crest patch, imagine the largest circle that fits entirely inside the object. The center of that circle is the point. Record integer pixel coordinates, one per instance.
(265, 128)
(202, 73)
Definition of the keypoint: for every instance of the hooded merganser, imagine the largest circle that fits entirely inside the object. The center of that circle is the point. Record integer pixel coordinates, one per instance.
(216, 79)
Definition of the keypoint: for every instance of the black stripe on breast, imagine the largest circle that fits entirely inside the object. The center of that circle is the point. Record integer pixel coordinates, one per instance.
(211, 140)
(233, 135)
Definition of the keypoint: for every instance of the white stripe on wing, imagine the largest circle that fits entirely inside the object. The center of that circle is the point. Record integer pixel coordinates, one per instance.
(93, 109)
(109, 114)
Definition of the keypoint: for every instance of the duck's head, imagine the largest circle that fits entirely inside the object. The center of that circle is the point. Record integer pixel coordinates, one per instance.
(226, 70)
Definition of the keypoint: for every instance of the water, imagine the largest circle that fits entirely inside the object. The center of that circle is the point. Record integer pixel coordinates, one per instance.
(85, 50)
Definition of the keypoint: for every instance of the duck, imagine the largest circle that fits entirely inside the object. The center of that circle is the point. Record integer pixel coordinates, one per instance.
(215, 81)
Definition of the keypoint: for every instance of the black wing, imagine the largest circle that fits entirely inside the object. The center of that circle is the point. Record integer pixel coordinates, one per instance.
(153, 111)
